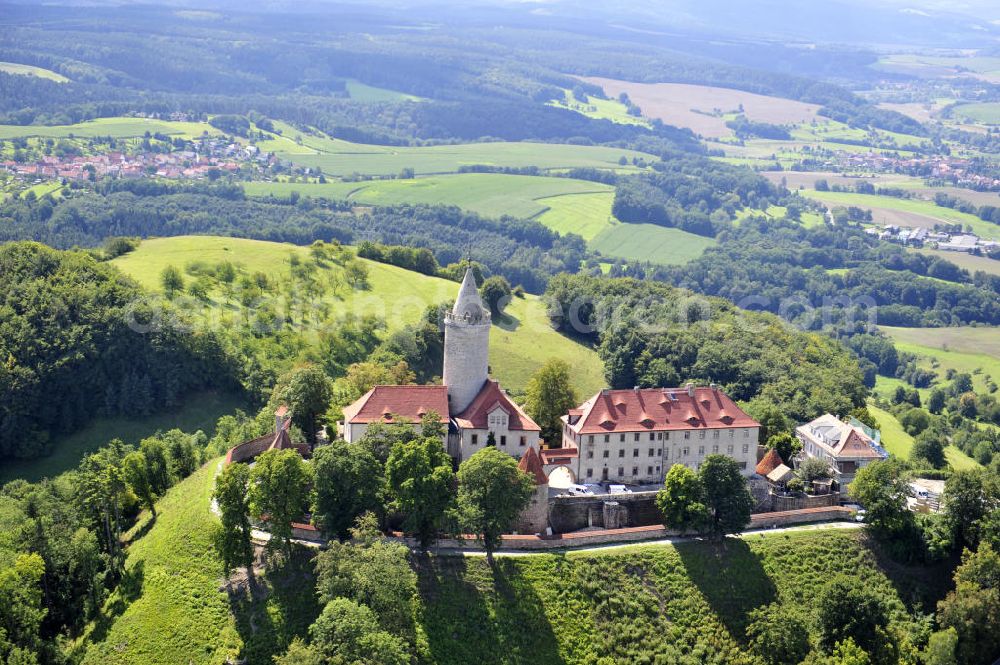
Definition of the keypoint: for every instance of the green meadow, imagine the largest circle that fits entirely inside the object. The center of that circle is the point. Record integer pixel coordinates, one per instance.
(650, 243)
(964, 349)
(340, 158)
(899, 443)
(688, 602)
(987, 113)
(362, 92)
(520, 343)
(114, 127)
(599, 109)
(31, 70)
(488, 194)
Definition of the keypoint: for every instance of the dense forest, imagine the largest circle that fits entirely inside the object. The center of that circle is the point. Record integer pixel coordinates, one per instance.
(74, 328)
(655, 335)
(780, 266)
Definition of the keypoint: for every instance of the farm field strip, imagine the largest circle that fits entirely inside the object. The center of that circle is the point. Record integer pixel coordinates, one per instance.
(115, 127)
(570, 201)
(693, 106)
(650, 243)
(906, 212)
(31, 70)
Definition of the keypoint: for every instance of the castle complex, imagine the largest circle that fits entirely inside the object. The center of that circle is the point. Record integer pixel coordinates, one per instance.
(474, 407)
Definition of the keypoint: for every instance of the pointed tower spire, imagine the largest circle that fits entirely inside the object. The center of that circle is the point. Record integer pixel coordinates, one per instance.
(468, 304)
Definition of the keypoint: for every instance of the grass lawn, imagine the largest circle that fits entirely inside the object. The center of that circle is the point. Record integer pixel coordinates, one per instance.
(489, 194)
(199, 411)
(964, 349)
(362, 92)
(115, 127)
(170, 609)
(649, 242)
(339, 158)
(31, 70)
(519, 345)
(907, 212)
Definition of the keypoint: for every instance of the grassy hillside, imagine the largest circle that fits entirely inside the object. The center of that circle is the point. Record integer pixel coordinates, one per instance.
(170, 608)
(31, 70)
(518, 345)
(899, 443)
(199, 412)
(964, 349)
(362, 92)
(687, 603)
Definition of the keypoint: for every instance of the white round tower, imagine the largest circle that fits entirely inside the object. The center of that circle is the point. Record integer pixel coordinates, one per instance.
(466, 346)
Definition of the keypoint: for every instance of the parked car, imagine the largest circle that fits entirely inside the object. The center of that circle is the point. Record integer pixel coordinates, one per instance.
(618, 489)
(579, 490)
(595, 489)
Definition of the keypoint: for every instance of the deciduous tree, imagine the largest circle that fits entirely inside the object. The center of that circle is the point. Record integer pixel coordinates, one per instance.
(550, 395)
(233, 539)
(279, 489)
(492, 492)
(682, 500)
(727, 496)
(421, 483)
(348, 483)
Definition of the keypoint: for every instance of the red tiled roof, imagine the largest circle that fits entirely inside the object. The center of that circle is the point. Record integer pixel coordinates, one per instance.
(856, 446)
(398, 404)
(770, 462)
(491, 397)
(653, 409)
(555, 455)
(531, 464)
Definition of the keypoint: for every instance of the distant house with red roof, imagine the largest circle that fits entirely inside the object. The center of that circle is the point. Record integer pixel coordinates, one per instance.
(847, 447)
(634, 436)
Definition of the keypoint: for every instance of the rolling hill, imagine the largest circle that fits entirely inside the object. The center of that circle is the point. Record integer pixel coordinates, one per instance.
(519, 344)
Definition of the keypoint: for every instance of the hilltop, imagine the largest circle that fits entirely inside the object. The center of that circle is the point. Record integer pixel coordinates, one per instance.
(521, 341)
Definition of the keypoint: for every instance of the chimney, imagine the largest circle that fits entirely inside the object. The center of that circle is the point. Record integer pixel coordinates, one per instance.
(690, 389)
(636, 389)
(713, 386)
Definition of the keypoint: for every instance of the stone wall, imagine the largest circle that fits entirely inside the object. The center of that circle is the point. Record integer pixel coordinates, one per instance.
(802, 501)
(572, 513)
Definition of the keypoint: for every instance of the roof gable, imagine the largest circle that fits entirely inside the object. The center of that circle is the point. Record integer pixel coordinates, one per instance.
(489, 399)
(531, 464)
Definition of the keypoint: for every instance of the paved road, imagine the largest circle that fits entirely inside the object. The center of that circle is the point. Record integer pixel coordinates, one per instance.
(662, 541)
